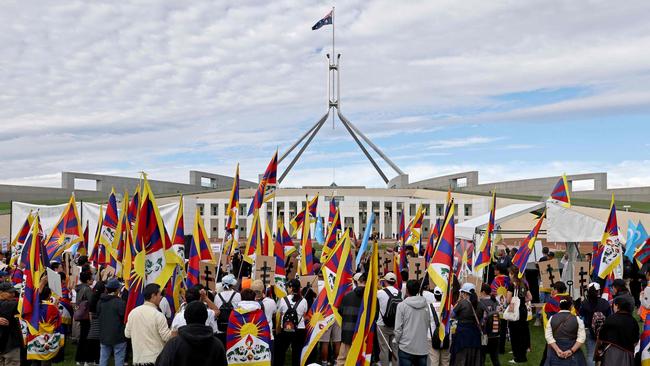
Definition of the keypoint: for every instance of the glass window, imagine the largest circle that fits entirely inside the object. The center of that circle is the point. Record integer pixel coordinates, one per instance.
(468, 210)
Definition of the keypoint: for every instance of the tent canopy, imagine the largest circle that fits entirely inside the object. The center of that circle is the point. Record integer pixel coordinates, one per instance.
(466, 229)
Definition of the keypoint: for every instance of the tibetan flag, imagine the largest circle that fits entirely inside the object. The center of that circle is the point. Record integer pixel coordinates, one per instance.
(644, 346)
(431, 244)
(485, 250)
(201, 241)
(415, 228)
(330, 239)
(82, 249)
(139, 254)
(321, 318)
(441, 268)
(612, 253)
(133, 206)
(108, 231)
(33, 272)
(19, 241)
(362, 341)
(499, 287)
(327, 19)
(297, 221)
(248, 338)
(233, 203)
(264, 193)
(401, 230)
(254, 242)
(98, 255)
(306, 255)
(66, 233)
(268, 243)
(150, 231)
(121, 241)
(560, 192)
(332, 213)
(280, 287)
(521, 257)
(642, 253)
(178, 238)
(461, 255)
(127, 253)
(337, 274)
(287, 242)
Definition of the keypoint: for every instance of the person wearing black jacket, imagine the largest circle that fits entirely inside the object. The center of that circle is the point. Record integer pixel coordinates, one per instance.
(11, 339)
(195, 344)
(110, 311)
(619, 335)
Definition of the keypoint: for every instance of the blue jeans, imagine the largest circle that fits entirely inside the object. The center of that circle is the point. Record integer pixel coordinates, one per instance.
(591, 347)
(407, 359)
(106, 350)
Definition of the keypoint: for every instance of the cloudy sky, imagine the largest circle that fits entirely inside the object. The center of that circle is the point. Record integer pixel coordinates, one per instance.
(514, 89)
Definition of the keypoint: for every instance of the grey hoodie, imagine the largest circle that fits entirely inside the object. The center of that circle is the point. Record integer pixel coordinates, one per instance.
(412, 326)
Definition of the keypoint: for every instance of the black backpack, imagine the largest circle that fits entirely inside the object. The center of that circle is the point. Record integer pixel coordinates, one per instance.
(435, 338)
(490, 320)
(224, 312)
(391, 308)
(290, 318)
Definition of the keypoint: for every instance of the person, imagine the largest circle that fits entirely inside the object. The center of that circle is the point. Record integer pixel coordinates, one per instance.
(499, 289)
(644, 298)
(565, 334)
(249, 335)
(519, 331)
(82, 315)
(92, 352)
(268, 305)
(412, 325)
(620, 290)
(386, 321)
(147, 327)
(466, 343)
(552, 306)
(593, 311)
(195, 344)
(618, 335)
(439, 351)
(226, 301)
(292, 309)
(49, 341)
(545, 251)
(11, 339)
(110, 311)
(196, 294)
(349, 311)
(490, 324)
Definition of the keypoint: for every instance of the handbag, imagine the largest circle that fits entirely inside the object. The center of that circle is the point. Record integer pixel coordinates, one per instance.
(529, 311)
(512, 311)
(484, 337)
(82, 312)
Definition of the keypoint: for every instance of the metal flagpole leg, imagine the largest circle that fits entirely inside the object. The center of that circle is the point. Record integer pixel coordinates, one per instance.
(302, 149)
(363, 148)
(298, 142)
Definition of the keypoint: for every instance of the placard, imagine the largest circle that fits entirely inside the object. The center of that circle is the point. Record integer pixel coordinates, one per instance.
(417, 269)
(54, 282)
(549, 272)
(207, 274)
(264, 269)
(291, 266)
(580, 277)
(309, 281)
(106, 273)
(476, 281)
(386, 260)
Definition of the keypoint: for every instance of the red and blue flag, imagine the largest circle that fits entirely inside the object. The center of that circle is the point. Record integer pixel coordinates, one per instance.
(521, 257)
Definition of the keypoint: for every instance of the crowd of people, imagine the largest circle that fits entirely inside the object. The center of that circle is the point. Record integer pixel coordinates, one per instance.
(408, 323)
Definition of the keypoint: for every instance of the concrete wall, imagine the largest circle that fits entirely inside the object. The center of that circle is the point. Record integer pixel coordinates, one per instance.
(218, 181)
(447, 181)
(38, 194)
(106, 182)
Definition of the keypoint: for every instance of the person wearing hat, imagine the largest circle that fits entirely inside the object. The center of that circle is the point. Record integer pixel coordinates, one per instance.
(226, 301)
(466, 342)
(439, 352)
(412, 325)
(11, 339)
(195, 344)
(593, 307)
(110, 311)
(385, 335)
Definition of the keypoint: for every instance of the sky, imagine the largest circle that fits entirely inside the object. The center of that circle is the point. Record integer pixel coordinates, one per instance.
(513, 89)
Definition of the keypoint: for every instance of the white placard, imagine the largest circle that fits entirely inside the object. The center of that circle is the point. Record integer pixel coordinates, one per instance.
(54, 282)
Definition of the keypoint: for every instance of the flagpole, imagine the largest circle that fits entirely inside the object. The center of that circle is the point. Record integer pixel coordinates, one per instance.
(333, 60)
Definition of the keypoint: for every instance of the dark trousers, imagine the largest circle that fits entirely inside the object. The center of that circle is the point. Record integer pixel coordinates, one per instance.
(284, 340)
(491, 349)
(519, 339)
(503, 333)
(83, 353)
(407, 359)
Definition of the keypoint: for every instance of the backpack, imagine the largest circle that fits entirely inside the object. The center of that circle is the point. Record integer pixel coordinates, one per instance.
(224, 312)
(597, 321)
(435, 339)
(490, 321)
(391, 308)
(290, 318)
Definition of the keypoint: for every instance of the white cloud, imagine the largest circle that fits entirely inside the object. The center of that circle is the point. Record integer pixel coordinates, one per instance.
(167, 87)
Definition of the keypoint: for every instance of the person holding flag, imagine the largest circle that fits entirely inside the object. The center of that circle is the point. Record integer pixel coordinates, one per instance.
(519, 331)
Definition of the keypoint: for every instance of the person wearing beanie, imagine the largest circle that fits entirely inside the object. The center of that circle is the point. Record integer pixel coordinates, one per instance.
(385, 336)
(195, 344)
(110, 310)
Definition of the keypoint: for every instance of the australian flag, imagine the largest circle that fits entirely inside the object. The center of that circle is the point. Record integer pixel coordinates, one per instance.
(325, 21)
